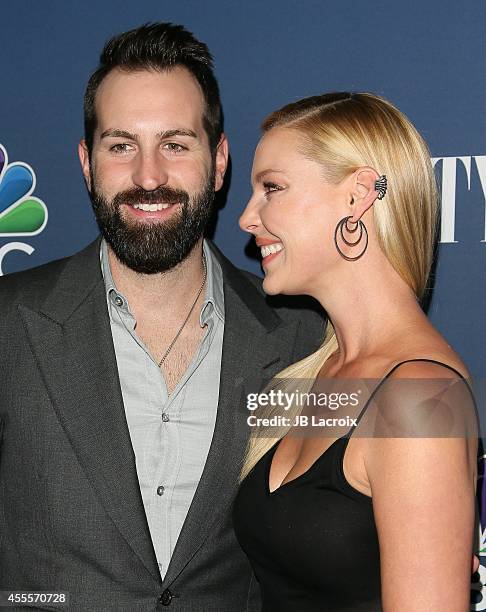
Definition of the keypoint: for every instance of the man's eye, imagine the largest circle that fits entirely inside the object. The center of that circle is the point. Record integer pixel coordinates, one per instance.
(120, 147)
(270, 188)
(174, 147)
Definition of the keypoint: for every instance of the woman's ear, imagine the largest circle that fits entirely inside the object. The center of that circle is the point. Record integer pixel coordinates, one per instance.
(364, 192)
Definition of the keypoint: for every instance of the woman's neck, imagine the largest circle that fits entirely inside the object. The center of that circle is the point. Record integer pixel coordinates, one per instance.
(370, 306)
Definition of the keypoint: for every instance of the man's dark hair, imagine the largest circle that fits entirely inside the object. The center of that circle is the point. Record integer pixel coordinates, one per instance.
(157, 46)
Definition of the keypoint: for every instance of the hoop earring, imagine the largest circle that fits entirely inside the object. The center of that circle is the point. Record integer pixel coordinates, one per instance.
(362, 231)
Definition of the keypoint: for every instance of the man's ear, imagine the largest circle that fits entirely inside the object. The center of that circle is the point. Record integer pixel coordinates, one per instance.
(221, 162)
(84, 161)
(363, 191)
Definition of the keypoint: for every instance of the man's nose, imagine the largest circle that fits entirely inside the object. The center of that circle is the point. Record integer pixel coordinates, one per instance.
(250, 218)
(150, 171)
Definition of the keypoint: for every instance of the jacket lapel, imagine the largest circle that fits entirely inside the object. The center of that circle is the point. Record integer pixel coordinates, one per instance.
(71, 339)
(254, 344)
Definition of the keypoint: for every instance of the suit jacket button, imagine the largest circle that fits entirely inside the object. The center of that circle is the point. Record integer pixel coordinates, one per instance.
(166, 598)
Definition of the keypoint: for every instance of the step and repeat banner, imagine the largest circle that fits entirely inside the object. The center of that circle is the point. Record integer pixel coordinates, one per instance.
(428, 58)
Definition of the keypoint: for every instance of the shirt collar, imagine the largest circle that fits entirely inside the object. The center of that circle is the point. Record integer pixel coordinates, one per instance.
(213, 300)
(214, 287)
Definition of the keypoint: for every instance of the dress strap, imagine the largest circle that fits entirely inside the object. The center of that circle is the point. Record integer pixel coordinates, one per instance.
(397, 365)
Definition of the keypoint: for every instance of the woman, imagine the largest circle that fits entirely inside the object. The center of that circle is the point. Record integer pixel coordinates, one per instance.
(381, 515)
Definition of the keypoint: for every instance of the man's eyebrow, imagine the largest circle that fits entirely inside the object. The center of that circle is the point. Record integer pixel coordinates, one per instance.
(114, 133)
(176, 132)
(119, 134)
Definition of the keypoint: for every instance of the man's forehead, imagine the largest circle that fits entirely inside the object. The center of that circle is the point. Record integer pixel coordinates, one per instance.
(171, 93)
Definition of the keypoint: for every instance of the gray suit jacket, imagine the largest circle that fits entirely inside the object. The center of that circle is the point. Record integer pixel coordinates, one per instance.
(71, 513)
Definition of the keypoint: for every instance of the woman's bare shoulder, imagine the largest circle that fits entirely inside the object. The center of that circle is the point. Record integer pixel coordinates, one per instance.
(428, 361)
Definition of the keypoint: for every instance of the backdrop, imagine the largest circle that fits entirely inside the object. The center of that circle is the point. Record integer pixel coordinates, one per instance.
(427, 57)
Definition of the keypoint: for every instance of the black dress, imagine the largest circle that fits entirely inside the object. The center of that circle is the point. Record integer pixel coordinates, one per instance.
(312, 543)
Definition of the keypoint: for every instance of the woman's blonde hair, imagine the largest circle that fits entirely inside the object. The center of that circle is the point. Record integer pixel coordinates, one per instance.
(343, 132)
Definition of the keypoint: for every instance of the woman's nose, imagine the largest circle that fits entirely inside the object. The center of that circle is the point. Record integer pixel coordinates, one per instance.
(250, 218)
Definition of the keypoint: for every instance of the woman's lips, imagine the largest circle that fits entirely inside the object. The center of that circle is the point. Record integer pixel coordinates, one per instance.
(269, 250)
(268, 258)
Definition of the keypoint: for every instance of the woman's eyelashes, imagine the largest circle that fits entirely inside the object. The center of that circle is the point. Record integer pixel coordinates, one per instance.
(269, 188)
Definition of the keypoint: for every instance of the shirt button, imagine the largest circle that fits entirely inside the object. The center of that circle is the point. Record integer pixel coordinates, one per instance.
(160, 490)
(118, 301)
(165, 417)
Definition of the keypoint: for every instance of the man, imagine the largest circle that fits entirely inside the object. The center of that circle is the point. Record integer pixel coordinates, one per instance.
(124, 366)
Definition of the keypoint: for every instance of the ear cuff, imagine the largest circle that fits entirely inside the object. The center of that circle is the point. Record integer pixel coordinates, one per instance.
(381, 186)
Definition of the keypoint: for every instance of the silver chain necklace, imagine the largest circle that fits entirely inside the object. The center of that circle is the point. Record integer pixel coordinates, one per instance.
(188, 314)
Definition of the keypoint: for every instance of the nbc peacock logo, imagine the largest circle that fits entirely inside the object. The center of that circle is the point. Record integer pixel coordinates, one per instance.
(21, 213)
(478, 594)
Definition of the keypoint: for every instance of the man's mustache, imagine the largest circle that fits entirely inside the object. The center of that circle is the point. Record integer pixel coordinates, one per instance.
(160, 195)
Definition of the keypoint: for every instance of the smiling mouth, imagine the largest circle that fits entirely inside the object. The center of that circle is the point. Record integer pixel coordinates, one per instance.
(271, 249)
(152, 207)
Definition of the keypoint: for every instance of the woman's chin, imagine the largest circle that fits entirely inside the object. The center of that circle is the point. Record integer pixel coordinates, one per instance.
(270, 288)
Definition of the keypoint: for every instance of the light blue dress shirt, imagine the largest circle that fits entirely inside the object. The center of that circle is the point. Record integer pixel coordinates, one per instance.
(170, 435)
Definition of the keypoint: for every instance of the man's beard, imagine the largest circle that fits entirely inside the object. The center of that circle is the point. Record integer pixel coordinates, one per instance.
(154, 246)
